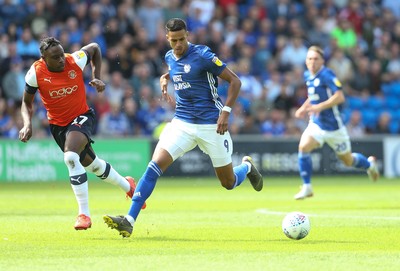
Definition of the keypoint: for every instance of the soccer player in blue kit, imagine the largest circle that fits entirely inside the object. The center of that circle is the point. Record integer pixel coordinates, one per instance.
(326, 125)
(200, 119)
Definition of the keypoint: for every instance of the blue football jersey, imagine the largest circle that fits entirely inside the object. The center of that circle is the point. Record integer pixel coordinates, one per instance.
(320, 88)
(195, 81)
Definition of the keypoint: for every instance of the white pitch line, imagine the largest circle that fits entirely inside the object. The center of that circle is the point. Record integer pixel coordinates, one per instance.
(270, 212)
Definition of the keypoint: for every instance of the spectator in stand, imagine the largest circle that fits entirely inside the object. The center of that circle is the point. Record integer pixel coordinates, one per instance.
(393, 67)
(316, 34)
(345, 35)
(27, 46)
(115, 89)
(114, 123)
(284, 101)
(275, 124)
(236, 119)
(355, 126)
(383, 125)
(151, 113)
(361, 80)
(393, 6)
(354, 14)
(251, 89)
(14, 81)
(341, 65)
(130, 109)
(8, 127)
(375, 75)
(142, 76)
(151, 18)
(249, 126)
(173, 9)
(231, 31)
(272, 87)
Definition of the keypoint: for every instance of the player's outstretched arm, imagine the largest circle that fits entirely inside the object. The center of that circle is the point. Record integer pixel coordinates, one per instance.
(26, 112)
(94, 52)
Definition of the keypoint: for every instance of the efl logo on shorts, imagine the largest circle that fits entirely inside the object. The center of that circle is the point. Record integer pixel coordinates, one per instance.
(72, 74)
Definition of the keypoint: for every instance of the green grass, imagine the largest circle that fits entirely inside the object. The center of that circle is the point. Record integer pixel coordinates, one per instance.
(194, 224)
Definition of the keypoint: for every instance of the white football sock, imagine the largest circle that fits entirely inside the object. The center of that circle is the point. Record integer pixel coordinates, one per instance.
(98, 167)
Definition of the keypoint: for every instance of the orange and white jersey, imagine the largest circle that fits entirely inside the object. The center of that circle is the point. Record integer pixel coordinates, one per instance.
(63, 93)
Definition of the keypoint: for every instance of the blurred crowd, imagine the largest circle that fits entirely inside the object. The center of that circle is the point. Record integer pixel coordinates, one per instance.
(264, 41)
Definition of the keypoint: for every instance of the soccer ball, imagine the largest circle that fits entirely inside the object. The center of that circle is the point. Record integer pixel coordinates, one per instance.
(296, 225)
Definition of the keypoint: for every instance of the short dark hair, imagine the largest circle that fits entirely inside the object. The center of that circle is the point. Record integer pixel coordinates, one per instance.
(47, 43)
(175, 24)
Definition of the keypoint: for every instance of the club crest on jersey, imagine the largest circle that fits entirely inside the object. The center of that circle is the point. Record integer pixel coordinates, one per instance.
(72, 74)
(187, 68)
(217, 61)
(316, 82)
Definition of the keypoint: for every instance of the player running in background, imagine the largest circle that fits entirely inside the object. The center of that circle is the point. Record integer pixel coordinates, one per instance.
(59, 79)
(200, 120)
(326, 125)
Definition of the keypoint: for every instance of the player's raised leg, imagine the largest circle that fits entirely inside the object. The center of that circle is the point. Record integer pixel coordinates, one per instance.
(107, 173)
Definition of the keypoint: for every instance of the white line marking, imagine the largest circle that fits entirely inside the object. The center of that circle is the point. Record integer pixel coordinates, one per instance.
(270, 212)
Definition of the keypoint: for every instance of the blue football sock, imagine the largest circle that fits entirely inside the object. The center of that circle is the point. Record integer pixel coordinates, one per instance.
(360, 161)
(240, 172)
(305, 167)
(144, 188)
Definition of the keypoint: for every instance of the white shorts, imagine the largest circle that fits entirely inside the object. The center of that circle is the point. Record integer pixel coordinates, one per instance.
(179, 137)
(338, 140)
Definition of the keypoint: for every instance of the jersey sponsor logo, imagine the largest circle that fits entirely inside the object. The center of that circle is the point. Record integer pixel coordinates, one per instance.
(187, 68)
(72, 74)
(179, 83)
(47, 79)
(183, 85)
(217, 61)
(337, 82)
(62, 91)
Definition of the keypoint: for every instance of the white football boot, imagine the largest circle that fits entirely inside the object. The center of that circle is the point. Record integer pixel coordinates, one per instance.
(305, 192)
(373, 171)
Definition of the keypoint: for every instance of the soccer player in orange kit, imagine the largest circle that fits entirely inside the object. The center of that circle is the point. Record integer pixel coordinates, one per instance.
(58, 77)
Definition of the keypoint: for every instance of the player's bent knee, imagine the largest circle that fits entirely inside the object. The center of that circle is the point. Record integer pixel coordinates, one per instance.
(71, 158)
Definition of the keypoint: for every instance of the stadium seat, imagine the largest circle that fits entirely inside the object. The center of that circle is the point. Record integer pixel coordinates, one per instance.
(396, 89)
(355, 103)
(394, 126)
(375, 103)
(370, 118)
(386, 89)
(392, 102)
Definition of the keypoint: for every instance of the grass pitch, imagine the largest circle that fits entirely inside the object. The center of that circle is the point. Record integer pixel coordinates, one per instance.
(194, 224)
